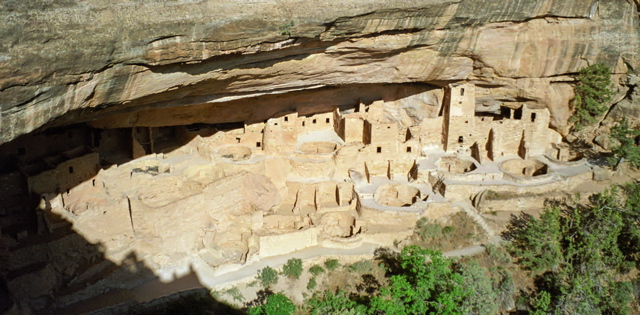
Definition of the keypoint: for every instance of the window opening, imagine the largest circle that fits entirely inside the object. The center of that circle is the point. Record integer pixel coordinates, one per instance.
(408, 149)
(286, 118)
(328, 120)
(533, 117)
(258, 144)
(379, 150)
(517, 114)
(70, 169)
(314, 121)
(460, 139)
(462, 92)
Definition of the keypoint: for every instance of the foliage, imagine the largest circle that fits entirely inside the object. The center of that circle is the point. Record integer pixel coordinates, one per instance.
(427, 230)
(536, 242)
(581, 248)
(285, 28)
(267, 277)
(293, 268)
(331, 264)
(235, 294)
(315, 270)
(541, 303)
(592, 92)
(312, 284)
(627, 148)
(483, 300)
(498, 253)
(276, 304)
(328, 303)
(427, 283)
(361, 266)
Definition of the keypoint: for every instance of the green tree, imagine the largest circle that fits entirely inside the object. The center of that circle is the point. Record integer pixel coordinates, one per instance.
(328, 303)
(293, 268)
(592, 93)
(276, 304)
(427, 283)
(627, 148)
(482, 298)
(267, 277)
(584, 255)
(536, 242)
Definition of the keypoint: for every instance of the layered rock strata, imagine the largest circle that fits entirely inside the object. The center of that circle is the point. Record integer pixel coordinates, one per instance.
(68, 61)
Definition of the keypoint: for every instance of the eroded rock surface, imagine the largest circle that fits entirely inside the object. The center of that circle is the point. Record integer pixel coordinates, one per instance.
(70, 61)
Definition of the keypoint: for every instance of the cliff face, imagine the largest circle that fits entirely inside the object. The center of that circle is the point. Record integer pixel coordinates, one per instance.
(126, 63)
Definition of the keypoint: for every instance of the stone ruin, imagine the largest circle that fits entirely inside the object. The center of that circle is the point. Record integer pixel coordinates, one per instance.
(224, 195)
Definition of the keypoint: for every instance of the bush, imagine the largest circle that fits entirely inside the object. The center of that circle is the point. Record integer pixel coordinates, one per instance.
(312, 284)
(277, 304)
(361, 266)
(592, 93)
(331, 264)
(316, 270)
(267, 277)
(327, 303)
(427, 230)
(293, 268)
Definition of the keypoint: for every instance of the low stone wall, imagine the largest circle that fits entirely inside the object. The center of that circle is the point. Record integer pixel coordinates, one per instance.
(280, 244)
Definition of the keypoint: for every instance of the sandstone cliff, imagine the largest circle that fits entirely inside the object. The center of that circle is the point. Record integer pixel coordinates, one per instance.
(66, 61)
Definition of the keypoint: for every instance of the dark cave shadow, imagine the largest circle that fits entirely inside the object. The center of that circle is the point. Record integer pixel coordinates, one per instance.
(56, 270)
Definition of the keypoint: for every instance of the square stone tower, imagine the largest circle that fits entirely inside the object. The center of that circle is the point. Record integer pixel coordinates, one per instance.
(459, 121)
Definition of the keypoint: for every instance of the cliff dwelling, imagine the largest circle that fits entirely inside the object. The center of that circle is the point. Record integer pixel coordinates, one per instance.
(230, 194)
(152, 148)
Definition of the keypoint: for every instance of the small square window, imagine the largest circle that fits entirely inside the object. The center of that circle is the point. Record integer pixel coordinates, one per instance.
(286, 118)
(303, 124)
(379, 150)
(328, 120)
(314, 121)
(408, 149)
(258, 144)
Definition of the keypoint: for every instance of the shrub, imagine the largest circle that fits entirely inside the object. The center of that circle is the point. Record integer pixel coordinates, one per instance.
(361, 266)
(427, 230)
(331, 264)
(267, 277)
(316, 270)
(276, 304)
(312, 284)
(592, 93)
(293, 268)
(327, 303)
(235, 294)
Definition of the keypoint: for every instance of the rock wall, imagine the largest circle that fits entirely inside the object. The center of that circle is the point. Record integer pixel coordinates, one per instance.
(66, 61)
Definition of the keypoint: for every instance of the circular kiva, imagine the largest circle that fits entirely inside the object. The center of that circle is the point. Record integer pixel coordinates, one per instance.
(397, 195)
(454, 164)
(524, 168)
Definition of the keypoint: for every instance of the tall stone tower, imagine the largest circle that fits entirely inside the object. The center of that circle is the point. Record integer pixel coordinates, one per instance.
(459, 120)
